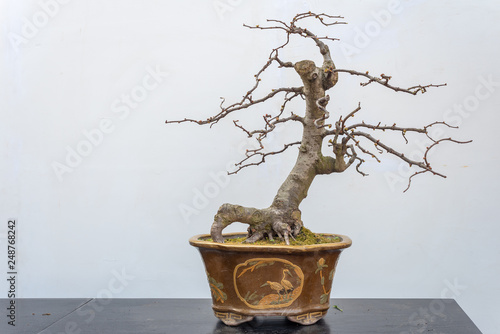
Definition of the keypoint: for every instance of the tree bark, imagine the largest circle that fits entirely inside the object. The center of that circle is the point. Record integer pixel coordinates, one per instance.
(283, 218)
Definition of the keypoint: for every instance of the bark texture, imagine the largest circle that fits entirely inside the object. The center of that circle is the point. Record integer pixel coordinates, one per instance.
(283, 218)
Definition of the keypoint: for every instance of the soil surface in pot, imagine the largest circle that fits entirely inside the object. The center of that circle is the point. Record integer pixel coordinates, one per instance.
(305, 237)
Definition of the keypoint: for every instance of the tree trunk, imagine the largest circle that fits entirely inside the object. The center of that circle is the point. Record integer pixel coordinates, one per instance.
(283, 218)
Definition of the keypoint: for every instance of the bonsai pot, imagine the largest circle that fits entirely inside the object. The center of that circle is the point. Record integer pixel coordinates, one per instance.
(248, 280)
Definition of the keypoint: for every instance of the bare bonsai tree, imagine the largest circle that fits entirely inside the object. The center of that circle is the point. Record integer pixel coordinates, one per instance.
(346, 138)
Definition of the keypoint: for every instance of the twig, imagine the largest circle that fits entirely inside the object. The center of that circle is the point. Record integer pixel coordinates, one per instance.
(384, 81)
(263, 156)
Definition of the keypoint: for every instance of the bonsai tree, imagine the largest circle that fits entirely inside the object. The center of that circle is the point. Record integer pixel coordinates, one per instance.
(349, 141)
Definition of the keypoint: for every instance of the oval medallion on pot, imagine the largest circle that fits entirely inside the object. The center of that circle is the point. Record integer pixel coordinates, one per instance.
(266, 283)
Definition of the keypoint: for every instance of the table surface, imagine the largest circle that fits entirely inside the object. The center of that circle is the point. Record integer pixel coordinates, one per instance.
(195, 316)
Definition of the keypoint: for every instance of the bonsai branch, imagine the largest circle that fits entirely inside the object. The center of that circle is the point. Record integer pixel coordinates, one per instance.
(426, 161)
(352, 133)
(293, 29)
(256, 153)
(384, 81)
(246, 102)
(272, 121)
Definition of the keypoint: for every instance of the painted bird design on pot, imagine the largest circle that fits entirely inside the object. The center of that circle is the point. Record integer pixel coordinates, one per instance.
(287, 285)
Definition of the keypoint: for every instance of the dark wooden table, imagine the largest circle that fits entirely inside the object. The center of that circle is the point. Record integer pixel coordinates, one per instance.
(194, 316)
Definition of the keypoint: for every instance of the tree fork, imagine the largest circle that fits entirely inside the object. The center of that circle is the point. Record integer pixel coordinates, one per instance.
(282, 218)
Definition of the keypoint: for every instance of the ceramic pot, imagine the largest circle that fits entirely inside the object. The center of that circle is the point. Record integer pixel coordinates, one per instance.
(249, 280)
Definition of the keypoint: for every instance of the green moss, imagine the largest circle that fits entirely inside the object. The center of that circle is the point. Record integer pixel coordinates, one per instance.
(305, 237)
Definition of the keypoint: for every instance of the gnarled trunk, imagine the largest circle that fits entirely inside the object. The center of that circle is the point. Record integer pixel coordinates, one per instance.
(283, 217)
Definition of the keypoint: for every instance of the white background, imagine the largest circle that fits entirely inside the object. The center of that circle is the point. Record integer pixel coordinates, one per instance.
(115, 220)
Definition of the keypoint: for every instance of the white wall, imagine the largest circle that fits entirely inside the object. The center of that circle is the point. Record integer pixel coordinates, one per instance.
(115, 212)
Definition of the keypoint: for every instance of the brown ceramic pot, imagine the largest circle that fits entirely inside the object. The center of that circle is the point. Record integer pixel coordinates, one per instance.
(256, 280)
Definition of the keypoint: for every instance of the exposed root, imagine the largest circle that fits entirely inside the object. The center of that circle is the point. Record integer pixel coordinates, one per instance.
(263, 223)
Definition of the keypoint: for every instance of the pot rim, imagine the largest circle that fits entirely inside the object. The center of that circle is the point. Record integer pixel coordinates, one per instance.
(196, 242)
